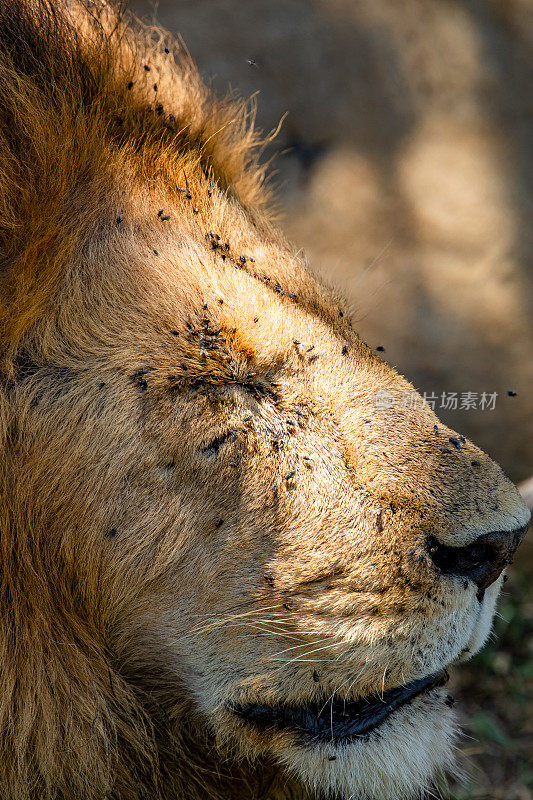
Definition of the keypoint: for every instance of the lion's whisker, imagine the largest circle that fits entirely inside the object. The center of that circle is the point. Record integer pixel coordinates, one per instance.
(265, 631)
(337, 688)
(305, 661)
(304, 644)
(221, 622)
(242, 624)
(347, 693)
(383, 681)
(318, 649)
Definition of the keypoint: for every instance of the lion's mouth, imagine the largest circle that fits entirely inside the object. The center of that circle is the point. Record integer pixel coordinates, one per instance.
(336, 719)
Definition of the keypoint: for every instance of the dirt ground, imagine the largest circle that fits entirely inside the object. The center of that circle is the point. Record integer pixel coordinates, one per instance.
(405, 173)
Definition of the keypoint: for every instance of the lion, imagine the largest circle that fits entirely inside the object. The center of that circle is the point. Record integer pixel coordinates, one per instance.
(238, 551)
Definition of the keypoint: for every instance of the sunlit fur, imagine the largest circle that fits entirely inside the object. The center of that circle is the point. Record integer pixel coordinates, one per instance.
(200, 503)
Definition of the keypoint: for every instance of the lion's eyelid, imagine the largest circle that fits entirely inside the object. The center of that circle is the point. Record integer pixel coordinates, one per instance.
(214, 446)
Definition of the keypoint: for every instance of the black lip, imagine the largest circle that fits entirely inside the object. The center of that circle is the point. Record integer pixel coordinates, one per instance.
(338, 720)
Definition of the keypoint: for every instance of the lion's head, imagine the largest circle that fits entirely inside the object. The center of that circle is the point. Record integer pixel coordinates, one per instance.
(238, 551)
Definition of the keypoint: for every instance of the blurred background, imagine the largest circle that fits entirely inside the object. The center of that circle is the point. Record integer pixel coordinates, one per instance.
(404, 171)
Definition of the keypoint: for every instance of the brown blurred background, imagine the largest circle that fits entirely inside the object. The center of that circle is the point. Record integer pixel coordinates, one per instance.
(405, 173)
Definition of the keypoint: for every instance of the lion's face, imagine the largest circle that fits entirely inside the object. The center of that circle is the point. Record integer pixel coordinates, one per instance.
(234, 547)
(284, 558)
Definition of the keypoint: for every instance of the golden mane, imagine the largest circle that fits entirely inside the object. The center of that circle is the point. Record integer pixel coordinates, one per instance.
(81, 91)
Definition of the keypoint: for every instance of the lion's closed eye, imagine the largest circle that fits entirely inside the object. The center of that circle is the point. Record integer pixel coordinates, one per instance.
(211, 450)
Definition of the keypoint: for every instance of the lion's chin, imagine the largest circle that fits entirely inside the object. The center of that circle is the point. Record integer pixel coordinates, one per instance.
(398, 760)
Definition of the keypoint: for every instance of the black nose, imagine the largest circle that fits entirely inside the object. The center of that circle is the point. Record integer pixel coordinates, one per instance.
(482, 561)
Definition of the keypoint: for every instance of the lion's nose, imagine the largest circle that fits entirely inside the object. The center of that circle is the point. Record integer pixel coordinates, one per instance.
(482, 561)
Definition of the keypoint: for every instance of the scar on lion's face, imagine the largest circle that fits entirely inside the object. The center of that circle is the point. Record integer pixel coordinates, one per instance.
(234, 562)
